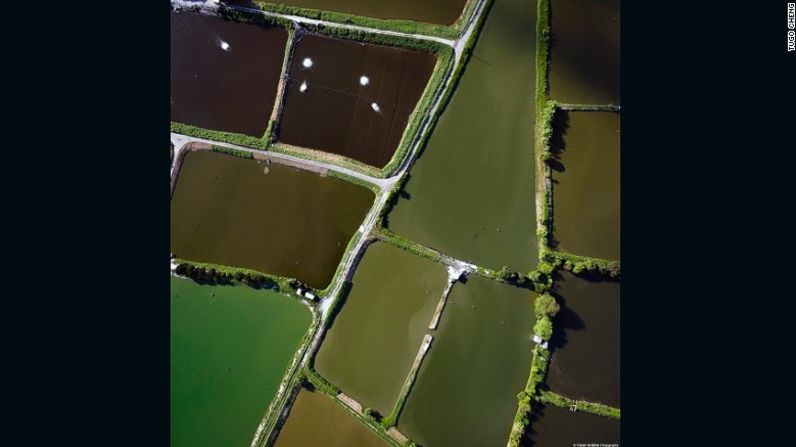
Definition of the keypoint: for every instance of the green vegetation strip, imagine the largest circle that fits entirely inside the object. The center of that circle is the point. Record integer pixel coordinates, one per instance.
(223, 274)
(232, 151)
(539, 363)
(270, 130)
(392, 418)
(589, 107)
(217, 135)
(586, 407)
(401, 26)
(503, 275)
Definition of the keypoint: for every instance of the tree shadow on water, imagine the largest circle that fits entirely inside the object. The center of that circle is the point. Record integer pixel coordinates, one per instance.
(537, 413)
(560, 126)
(565, 321)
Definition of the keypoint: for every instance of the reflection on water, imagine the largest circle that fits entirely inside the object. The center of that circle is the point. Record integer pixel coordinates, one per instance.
(350, 98)
(585, 343)
(224, 74)
(554, 426)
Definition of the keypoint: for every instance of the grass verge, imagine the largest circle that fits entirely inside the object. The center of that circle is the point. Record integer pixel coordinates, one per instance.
(587, 407)
(398, 25)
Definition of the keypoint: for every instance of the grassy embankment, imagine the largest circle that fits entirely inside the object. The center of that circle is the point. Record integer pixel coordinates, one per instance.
(451, 31)
(586, 407)
(588, 107)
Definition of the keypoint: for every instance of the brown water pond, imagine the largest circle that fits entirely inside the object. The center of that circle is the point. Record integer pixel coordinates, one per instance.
(350, 98)
(585, 342)
(224, 75)
(443, 12)
(315, 420)
(584, 65)
(552, 426)
(586, 184)
(266, 217)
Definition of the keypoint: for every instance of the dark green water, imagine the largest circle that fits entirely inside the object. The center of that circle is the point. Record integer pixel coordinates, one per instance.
(471, 193)
(586, 186)
(466, 389)
(552, 426)
(230, 347)
(585, 56)
(585, 343)
(266, 217)
(370, 348)
(315, 420)
(443, 12)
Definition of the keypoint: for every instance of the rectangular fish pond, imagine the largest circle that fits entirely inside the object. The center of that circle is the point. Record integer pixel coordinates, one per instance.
(584, 59)
(230, 347)
(586, 184)
(315, 420)
(264, 216)
(585, 343)
(224, 75)
(471, 192)
(373, 341)
(352, 99)
(466, 388)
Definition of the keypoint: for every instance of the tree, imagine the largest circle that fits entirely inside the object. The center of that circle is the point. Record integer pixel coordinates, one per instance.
(543, 327)
(506, 273)
(239, 276)
(546, 305)
(371, 413)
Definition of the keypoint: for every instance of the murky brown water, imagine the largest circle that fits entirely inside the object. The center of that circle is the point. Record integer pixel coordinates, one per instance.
(585, 54)
(585, 343)
(270, 218)
(552, 426)
(336, 111)
(224, 74)
(443, 12)
(315, 420)
(586, 185)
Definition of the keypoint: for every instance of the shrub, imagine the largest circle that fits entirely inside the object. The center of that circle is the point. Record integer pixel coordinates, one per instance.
(543, 327)
(546, 306)
(372, 414)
